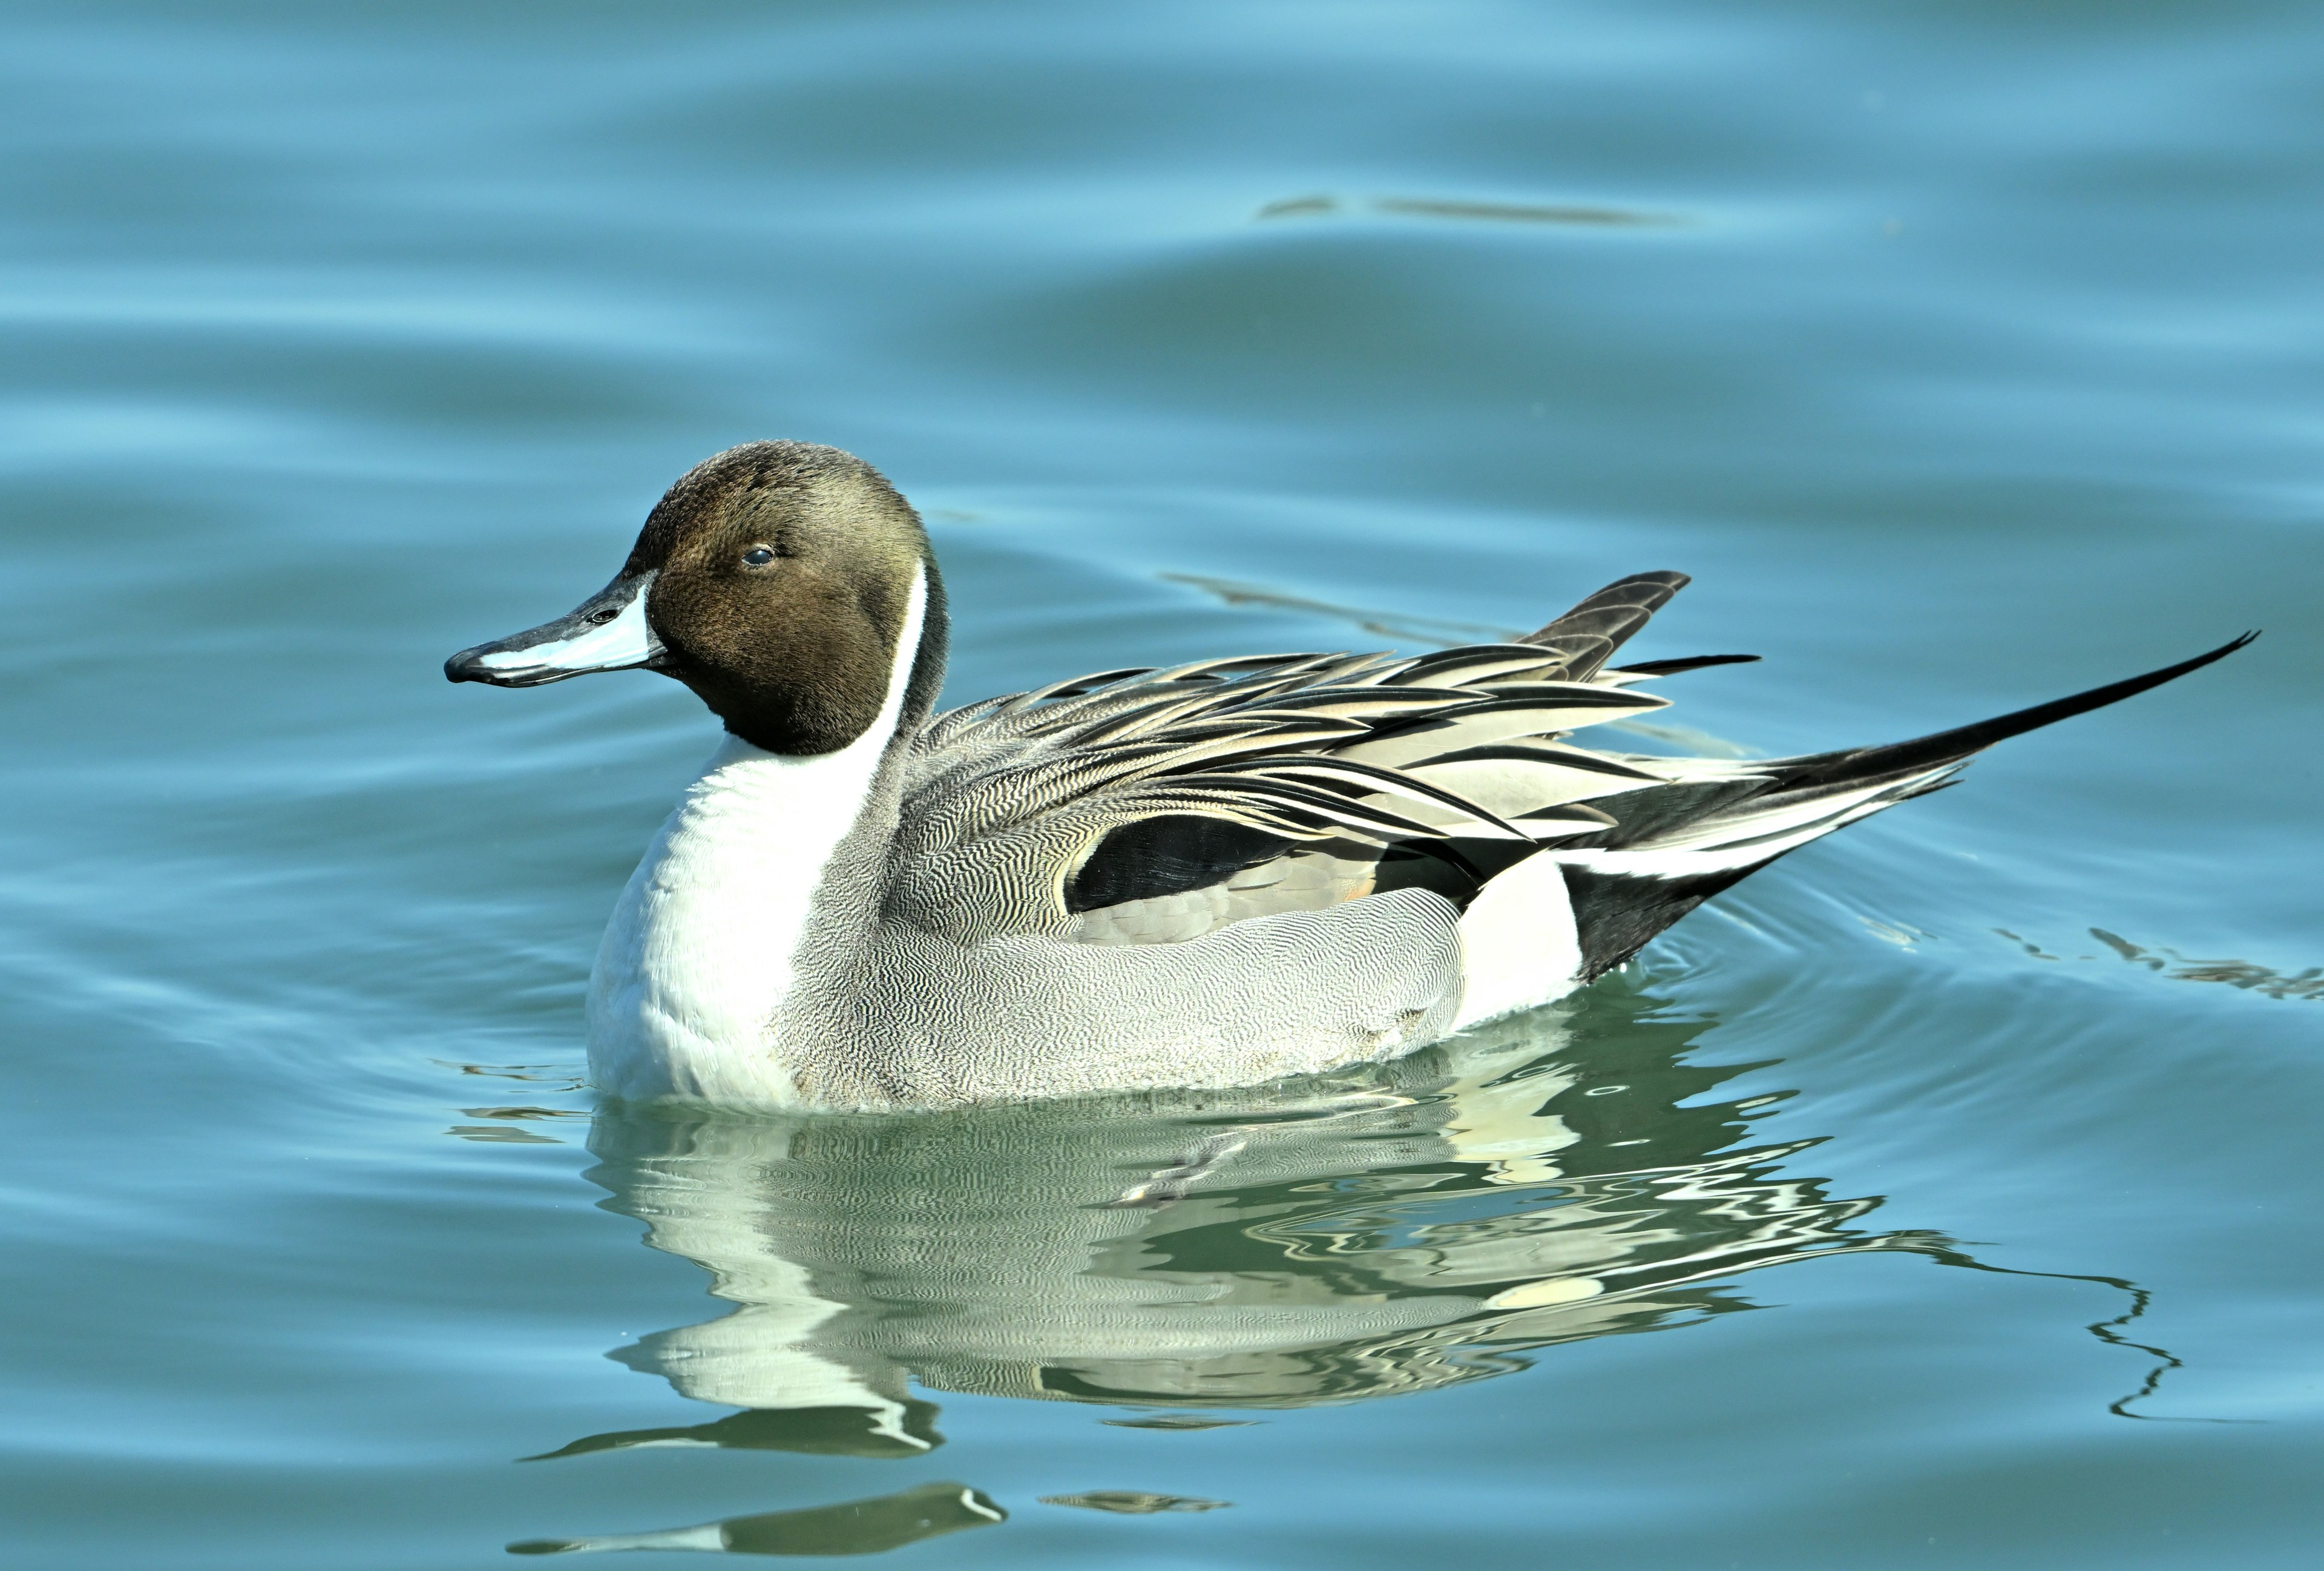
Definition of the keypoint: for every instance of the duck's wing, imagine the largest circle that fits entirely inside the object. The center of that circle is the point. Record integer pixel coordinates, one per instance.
(1144, 806)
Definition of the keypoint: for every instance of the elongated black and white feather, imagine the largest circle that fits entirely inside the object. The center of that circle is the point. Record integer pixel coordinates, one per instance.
(1673, 846)
(1155, 806)
(1058, 810)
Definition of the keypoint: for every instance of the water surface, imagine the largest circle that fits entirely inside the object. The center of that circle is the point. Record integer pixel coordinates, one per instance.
(1942, 1197)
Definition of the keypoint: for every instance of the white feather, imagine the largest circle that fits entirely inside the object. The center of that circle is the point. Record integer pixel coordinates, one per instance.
(698, 955)
(1657, 862)
(1518, 947)
(1711, 834)
(710, 1536)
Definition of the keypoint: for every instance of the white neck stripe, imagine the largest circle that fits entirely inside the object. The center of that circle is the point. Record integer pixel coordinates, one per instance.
(701, 951)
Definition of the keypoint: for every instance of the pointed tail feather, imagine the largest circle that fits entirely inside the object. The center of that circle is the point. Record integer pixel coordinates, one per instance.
(1948, 746)
(1592, 631)
(1675, 846)
(1670, 667)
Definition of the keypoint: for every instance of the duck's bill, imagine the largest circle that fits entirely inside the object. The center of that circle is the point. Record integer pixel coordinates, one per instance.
(605, 632)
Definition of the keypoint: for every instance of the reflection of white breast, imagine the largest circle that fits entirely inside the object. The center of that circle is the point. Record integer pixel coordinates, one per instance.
(707, 1209)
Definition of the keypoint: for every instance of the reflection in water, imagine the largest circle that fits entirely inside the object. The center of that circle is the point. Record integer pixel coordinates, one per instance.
(858, 1527)
(1135, 1503)
(1178, 1421)
(1381, 1229)
(1489, 212)
(1432, 631)
(2264, 980)
(1520, 212)
(550, 1077)
(832, 1431)
(1386, 1228)
(501, 1134)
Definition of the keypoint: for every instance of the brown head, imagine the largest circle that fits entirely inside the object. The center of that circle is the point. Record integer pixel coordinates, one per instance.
(774, 580)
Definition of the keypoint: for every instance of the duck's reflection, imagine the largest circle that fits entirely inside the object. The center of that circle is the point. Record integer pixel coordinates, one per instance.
(1386, 1229)
(858, 1527)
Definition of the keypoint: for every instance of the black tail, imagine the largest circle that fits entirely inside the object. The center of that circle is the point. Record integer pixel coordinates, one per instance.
(1861, 765)
(1692, 838)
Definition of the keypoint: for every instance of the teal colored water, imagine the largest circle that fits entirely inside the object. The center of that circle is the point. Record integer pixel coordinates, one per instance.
(1943, 1197)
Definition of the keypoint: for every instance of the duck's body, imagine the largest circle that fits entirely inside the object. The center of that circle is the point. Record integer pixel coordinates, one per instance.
(1212, 875)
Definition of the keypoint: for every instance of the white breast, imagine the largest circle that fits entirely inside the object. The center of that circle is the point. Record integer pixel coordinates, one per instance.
(698, 956)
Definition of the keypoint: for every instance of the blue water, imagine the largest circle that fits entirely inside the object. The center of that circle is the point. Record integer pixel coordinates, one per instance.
(1942, 1197)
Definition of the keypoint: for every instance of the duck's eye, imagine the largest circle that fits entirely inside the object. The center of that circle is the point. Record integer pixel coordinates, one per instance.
(757, 557)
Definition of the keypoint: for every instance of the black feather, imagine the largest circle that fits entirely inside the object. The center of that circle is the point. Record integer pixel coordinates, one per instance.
(1656, 809)
(1613, 613)
(1694, 662)
(1614, 915)
(1859, 764)
(1167, 855)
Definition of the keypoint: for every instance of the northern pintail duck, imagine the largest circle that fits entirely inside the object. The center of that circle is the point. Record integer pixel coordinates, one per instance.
(1213, 874)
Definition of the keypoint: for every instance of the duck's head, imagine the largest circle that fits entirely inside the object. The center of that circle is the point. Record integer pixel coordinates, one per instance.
(778, 580)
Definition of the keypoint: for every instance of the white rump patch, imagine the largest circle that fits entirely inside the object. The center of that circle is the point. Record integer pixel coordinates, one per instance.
(1519, 947)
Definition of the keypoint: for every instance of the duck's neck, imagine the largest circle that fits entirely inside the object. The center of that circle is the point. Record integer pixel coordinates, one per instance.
(704, 947)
